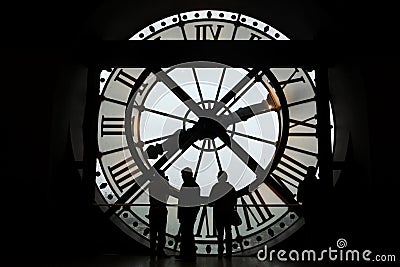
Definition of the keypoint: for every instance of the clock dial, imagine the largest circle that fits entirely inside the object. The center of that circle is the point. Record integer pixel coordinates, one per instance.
(209, 25)
(263, 135)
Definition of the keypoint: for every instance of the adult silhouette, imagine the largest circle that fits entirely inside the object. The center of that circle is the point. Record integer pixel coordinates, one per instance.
(159, 191)
(310, 195)
(223, 197)
(188, 208)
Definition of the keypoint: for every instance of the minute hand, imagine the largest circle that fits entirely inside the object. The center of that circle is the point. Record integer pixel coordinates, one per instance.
(233, 93)
(245, 113)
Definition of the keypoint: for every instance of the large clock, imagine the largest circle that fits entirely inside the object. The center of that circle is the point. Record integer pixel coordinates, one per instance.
(258, 125)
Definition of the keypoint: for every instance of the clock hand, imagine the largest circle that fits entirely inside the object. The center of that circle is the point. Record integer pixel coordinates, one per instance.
(210, 128)
(245, 113)
(183, 139)
(180, 140)
(235, 90)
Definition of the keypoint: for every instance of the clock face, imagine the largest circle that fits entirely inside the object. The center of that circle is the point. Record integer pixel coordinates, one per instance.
(209, 25)
(258, 125)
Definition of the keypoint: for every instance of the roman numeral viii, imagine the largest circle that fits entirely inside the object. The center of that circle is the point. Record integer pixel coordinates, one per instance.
(124, 173)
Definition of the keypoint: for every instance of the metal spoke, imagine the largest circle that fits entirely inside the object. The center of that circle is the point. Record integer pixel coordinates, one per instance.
(200, 158)
(235, 90)
(167, 115)
(216, 155)
(198, 88)
(178, 91)
(252, 137)
(242, 154)
(174, 159)
(220, 84)
(251, 163)
(236, 99)
(158, 139)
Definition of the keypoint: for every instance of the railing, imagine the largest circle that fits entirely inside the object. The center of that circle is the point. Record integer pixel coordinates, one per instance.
(175, 205)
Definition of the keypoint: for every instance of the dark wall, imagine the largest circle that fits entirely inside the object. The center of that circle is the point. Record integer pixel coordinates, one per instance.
(45, 81)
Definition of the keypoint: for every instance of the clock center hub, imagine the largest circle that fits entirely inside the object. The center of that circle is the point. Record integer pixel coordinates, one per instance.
(209, 128)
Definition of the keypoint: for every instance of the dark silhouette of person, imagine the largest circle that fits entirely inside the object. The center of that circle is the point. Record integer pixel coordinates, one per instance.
(188, 208)
(158, 196)
(223, 200)
(310, 195)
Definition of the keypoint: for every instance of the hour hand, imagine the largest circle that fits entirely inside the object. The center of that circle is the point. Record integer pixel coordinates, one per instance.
(171, 145)
(180, 140)
(204, 128)
(209, 128)
(183, 139)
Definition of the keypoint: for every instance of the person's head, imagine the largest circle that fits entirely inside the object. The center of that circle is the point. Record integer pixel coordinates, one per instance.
(187, 174)
(222, 176)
